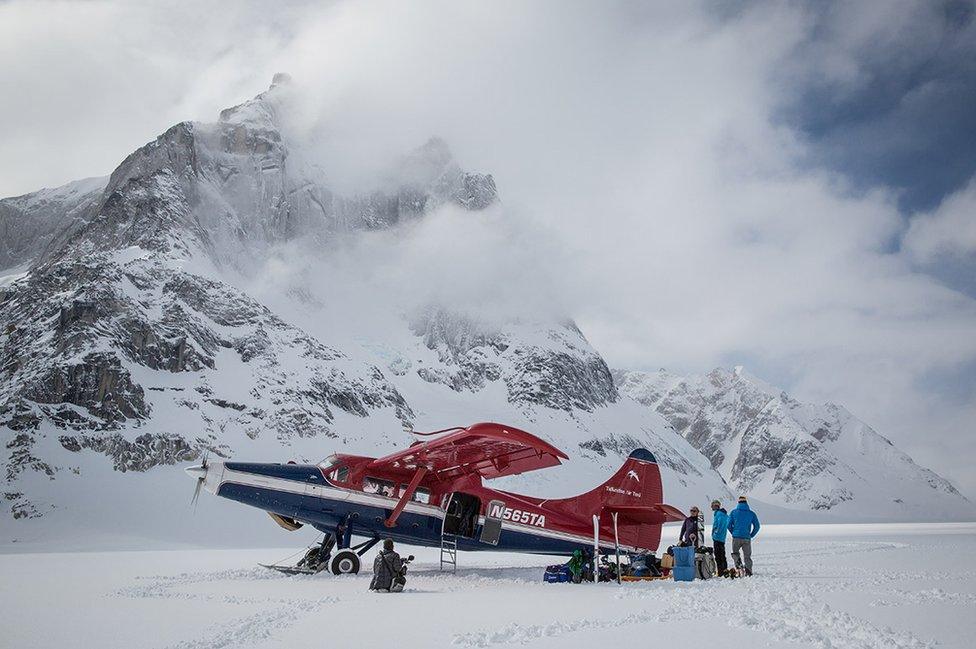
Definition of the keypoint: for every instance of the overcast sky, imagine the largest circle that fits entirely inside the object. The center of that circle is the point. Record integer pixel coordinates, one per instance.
(785, 186)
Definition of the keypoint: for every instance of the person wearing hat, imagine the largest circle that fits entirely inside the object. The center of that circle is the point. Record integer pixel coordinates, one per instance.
(720, 530)
(689, 529)
(387, 567)
(744, 525)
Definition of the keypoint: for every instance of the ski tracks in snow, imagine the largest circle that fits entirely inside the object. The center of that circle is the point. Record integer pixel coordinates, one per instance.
(928, 596)
(794, 613)
(254, 628)
(284, 612)
(784, 602)
(773, 603)
(248, 630)
(784, 611)
(522, 634)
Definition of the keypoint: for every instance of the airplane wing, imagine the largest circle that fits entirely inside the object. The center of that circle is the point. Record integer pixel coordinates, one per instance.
(487, 449)
(646, 514)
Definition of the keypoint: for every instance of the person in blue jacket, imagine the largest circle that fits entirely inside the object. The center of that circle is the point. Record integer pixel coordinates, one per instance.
(744, 525)
(720, 530)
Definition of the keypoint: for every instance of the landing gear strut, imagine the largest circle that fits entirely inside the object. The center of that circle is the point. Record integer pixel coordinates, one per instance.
(346, 561)
(319, 557)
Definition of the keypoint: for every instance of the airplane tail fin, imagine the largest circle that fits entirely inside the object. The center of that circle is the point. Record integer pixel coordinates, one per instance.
(636, 494)
(636, 483)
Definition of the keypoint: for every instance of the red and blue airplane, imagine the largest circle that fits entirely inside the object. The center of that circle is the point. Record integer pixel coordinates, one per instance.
(434, 490)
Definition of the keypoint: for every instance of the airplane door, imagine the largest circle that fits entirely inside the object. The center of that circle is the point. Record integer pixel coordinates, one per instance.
(491, 531)
(461, 515)
(320, 499)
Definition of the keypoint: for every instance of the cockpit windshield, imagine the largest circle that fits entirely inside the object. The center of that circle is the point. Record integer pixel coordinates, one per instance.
(329, 462)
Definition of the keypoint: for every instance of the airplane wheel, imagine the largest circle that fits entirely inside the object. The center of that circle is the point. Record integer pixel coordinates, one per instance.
(345, 562)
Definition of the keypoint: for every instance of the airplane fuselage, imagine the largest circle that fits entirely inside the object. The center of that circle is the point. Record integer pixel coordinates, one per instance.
(342, 494)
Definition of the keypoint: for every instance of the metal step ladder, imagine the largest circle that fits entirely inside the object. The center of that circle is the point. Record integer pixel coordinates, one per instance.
(449, 551)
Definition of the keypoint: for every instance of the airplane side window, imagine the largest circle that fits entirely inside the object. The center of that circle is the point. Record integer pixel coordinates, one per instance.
(381, 487)
(420, 494)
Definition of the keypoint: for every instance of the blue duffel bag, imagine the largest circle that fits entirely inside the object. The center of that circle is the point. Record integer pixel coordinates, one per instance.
(684, 564)
(557, 574)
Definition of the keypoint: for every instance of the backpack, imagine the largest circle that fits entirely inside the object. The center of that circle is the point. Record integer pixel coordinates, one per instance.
(704, 566)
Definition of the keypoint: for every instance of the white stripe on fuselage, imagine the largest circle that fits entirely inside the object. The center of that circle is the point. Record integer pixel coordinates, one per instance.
(339, 494)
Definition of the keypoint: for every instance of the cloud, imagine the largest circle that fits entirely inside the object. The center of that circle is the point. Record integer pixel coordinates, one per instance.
(657, 180)
(884, 95)
(948, 230)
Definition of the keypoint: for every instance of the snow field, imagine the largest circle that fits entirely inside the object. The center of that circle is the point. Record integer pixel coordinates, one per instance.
(837, 587)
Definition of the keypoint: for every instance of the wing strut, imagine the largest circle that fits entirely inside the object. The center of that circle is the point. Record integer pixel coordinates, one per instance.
(406, 496)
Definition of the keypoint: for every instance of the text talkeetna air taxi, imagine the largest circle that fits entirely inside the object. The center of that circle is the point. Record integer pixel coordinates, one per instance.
(432, 494)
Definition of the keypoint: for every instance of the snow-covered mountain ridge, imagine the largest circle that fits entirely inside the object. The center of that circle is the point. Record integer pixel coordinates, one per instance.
(782, 451)
(128, 345)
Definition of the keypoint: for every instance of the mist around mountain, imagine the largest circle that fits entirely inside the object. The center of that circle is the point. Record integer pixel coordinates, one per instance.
(223, 292)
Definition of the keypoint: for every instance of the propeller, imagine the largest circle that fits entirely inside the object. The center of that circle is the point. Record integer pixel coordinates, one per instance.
(201, 473)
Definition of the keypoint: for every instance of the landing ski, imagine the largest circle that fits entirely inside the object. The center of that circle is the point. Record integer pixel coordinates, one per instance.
(290, 570)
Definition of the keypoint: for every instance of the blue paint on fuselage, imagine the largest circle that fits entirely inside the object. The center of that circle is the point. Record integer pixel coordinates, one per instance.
(298, 472)
(413, 528)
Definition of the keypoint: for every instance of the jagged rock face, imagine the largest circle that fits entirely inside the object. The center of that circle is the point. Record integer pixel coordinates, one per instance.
(552, 367)
(242, 185)
(141, 454)
(29, 223)
(766, 443)
(86, 338)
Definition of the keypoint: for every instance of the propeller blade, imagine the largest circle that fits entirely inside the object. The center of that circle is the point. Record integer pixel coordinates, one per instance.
(196, 493)
(200, 473)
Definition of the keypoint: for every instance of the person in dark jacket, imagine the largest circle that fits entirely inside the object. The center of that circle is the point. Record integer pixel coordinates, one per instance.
(689, 529)
(720, 530)
(744, 525)
(387, 567)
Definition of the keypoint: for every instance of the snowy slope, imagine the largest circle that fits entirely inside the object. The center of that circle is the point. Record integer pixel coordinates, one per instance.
(798, 455)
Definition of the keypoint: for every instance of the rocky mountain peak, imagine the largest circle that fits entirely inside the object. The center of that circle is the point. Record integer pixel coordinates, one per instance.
(261, 112)
(765, 442)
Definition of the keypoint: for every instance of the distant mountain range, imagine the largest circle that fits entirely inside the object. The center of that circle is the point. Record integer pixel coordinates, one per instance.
(799, 455)
(128, 348)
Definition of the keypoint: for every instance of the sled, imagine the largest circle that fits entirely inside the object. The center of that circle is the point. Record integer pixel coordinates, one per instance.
(644, 578)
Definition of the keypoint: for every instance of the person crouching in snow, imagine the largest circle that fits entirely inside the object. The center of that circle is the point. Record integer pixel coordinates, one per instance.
(744, 525)
(689, 529)
(720, 530)
(386, 567)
